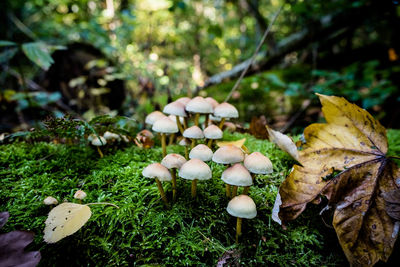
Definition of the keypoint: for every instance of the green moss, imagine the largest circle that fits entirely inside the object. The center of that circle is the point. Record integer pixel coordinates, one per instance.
(142, 231)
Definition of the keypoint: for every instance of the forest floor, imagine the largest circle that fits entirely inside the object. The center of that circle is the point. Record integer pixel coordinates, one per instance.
(143, 231)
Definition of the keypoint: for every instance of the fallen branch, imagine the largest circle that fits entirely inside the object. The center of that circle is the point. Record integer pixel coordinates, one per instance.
(324, 28)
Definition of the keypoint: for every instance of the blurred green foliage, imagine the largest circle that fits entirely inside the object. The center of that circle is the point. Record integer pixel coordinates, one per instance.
(175, 45)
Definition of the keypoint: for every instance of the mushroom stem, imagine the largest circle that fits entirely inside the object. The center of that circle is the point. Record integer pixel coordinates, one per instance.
(196, 119)
(173, 174)
(206, 122)
(194, 188)
(238, 229)
(185, 123)
(221, 124)
(171, 139)
(161, 189)
(209, 143)
(193, 143)
(186, 153)
(234, 191)
(228, 190)
(100, 153)
(246, 190)
(178, 122)
(253, 176)
(164, 144)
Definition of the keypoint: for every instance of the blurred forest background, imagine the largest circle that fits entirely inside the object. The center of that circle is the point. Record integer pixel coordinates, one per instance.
(130, 57)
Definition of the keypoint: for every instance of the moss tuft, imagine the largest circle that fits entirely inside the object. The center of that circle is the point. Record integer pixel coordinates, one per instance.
(142, 231)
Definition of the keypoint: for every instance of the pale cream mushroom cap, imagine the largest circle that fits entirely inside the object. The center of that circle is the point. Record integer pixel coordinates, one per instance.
(213, 118)
(237, 175)
(184, 142)
(231, 127)
(201, 152)
(258, 163)
(199, 105)
(195, 169)
(165, 125)
(99, 141)
(193, 132)
(173, 118)
(213, 132)
(184, 100)
(91, 137)
(228, 154)
(226, 110)
(154, 116)
(156, 170)
(212, 101)
(242, 206)
(50, 201)
(175, 108)
(111, 136)
(80, 194)
(173, 161)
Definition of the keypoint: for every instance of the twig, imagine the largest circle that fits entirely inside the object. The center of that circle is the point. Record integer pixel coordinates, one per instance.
(102, 203)
(304, 106)
(255, 54)
(21, 26)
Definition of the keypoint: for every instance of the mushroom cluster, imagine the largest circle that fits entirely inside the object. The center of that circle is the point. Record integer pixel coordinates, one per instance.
(183, 116)
(107, 138)
(241, 166)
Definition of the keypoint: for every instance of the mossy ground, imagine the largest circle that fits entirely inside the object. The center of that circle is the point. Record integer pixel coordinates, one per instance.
(142, 231)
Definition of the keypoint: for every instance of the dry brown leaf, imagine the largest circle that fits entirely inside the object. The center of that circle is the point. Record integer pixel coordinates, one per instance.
(144, 139)
(257, 127)
(238, 143)
(345, 160)
(284, 142)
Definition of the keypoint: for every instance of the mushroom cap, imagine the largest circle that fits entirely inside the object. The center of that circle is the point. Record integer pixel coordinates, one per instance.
(173, 118)
(212, 101)
(213, 132)
(242, 206)
(154, 116)
(195, 169)
(156, 170)
(258, 163)
(175, 108)
(99, 141)
(199, 105)
(171, 161)
(237, 175)
(201, 152)
(228, 154)
(165, 125)
(226, 110)
(111, 136)
(80, 194)
(213, 118)
(184, 100)
(193, 132)
(231, 127)
(91, 137)
(184, 142)
(50, 201)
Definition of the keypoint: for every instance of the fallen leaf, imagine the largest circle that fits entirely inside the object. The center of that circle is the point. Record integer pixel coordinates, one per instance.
(64, 220)
(12, 247)
(392, 199)
(258, 127)
(345, 161)
(238, 143)
(144, 139)
(284, 142)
